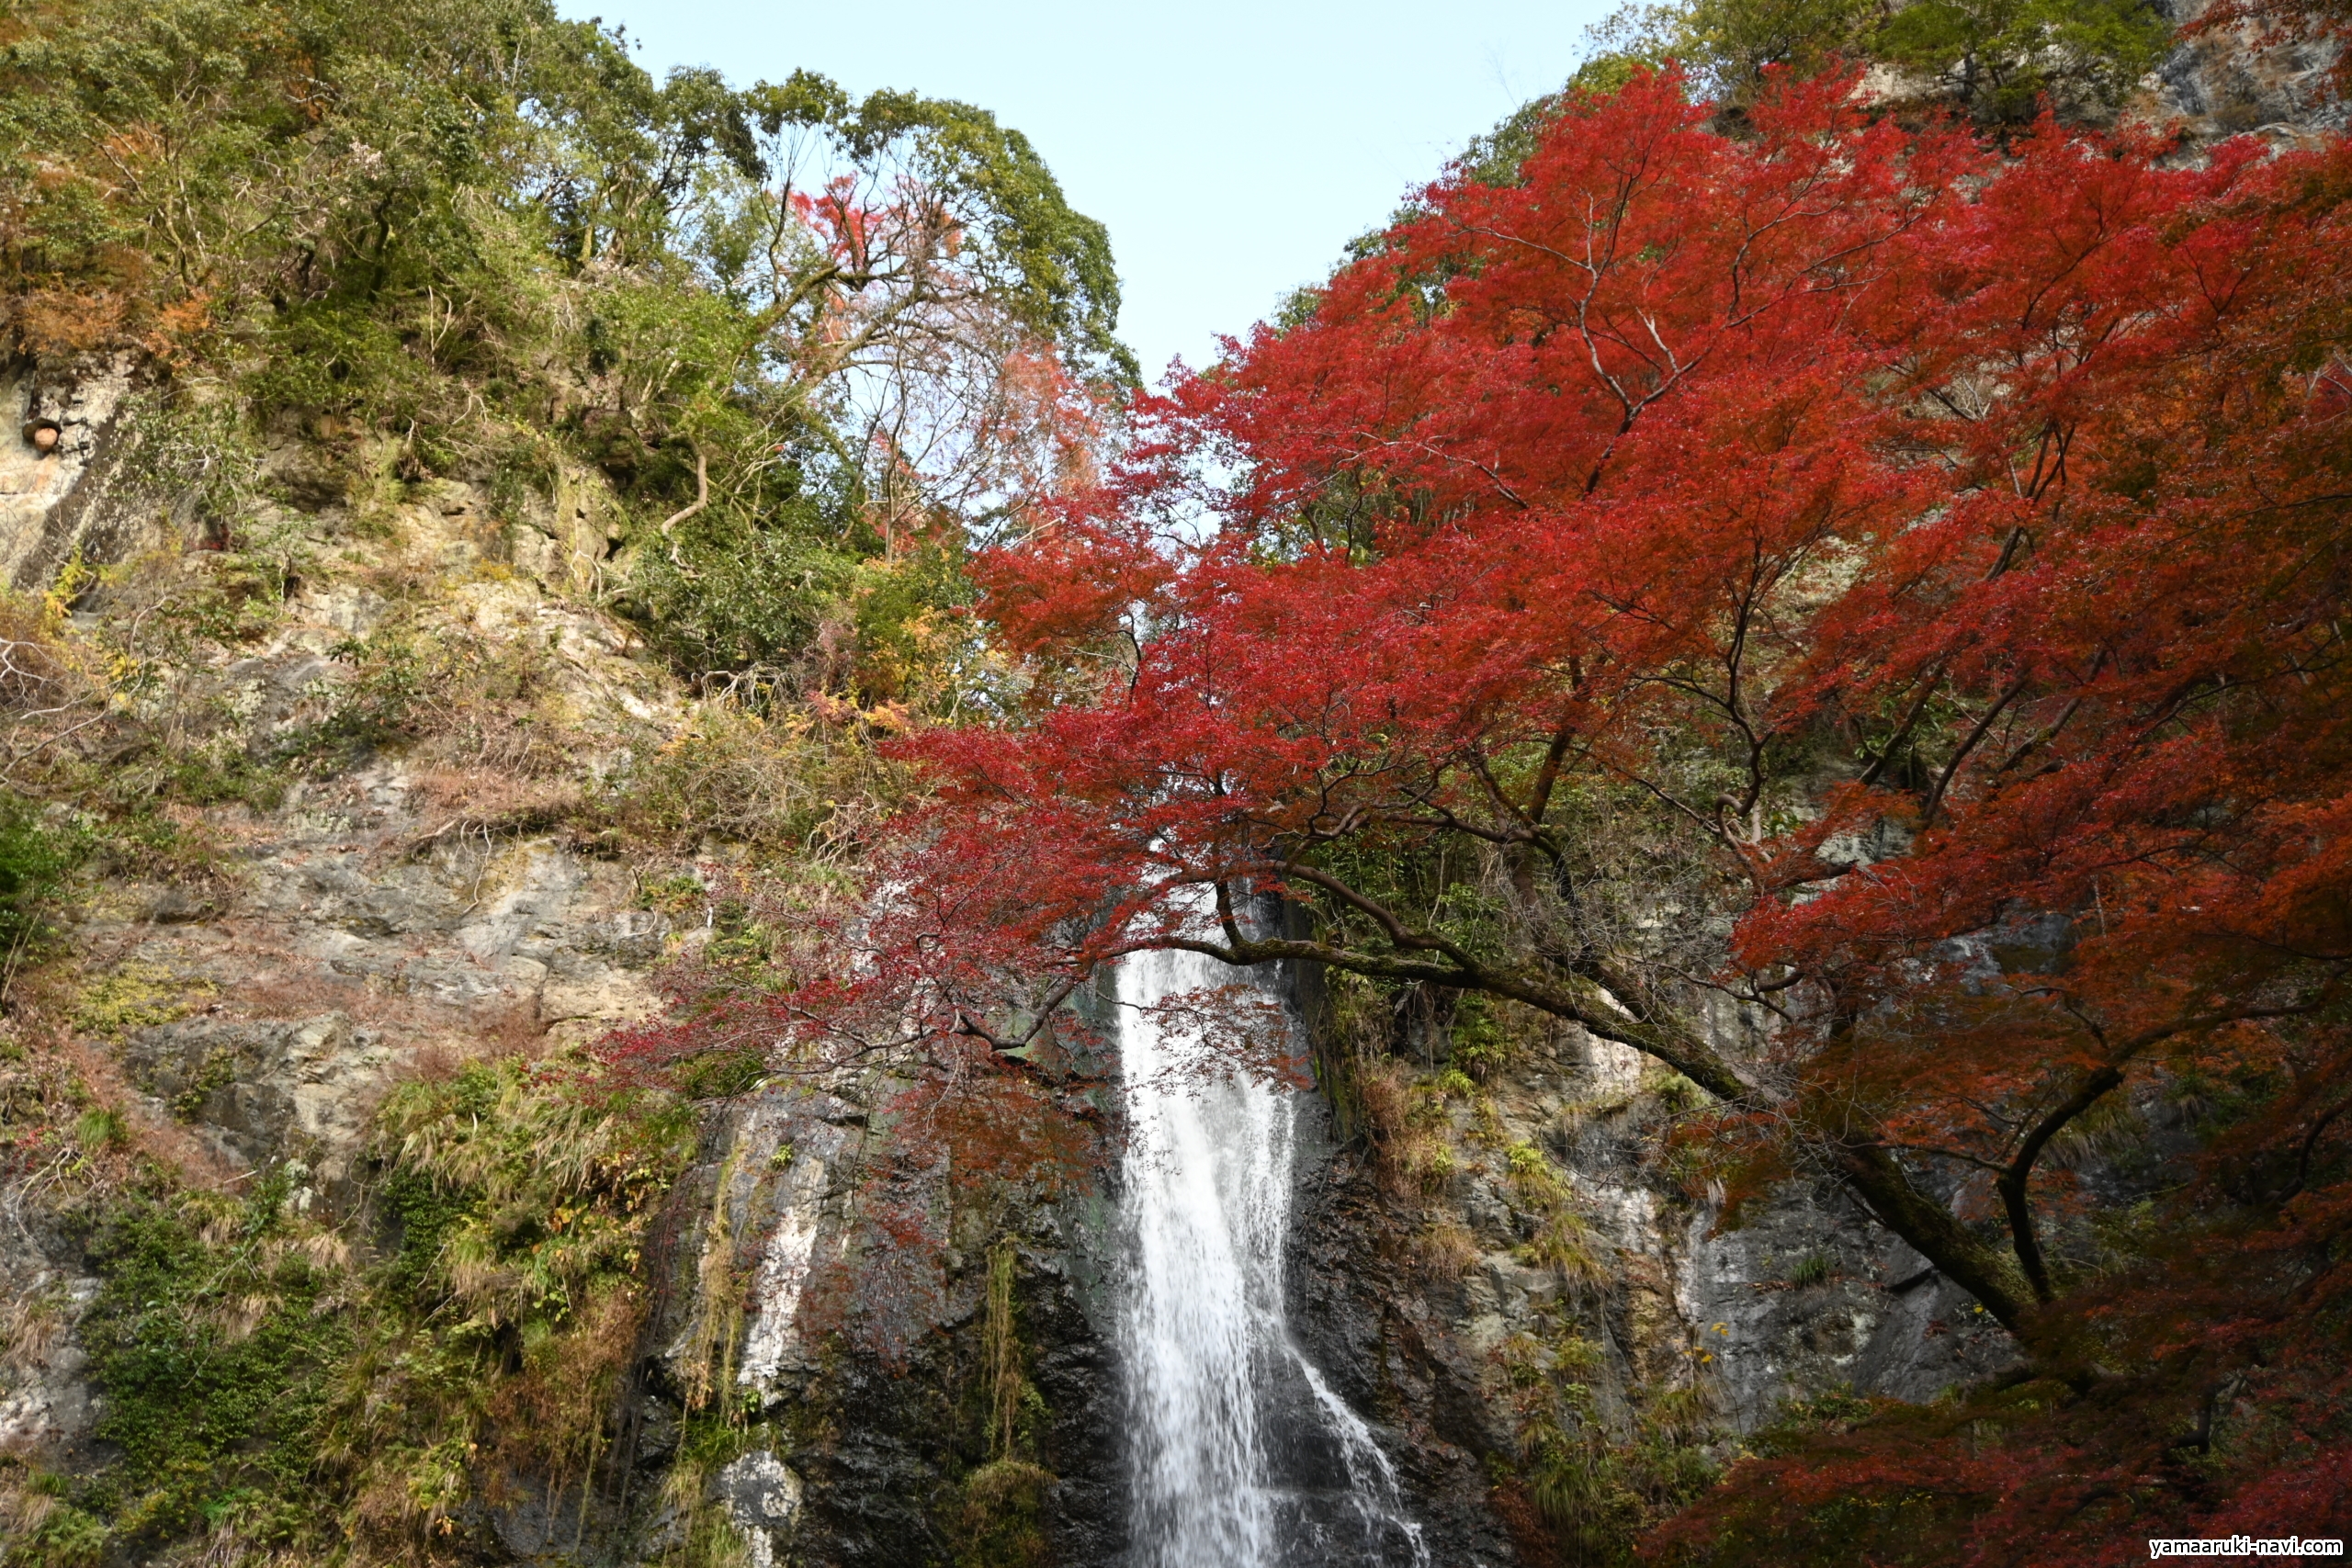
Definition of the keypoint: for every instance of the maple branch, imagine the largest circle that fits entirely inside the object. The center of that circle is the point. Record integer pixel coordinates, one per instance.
(1393, 928)
(1932, 1152)
(2311, 1141)
(1873, 1175)
(1007, 1046)
(1959, 754)
(1441, 817)
(2012, 1183)
(1442, 456)
(2040, 737)
(1935, 679)
(1902, 731)
(1547, 777)
(1753, 993)
(1712, 826)
(1575, 998)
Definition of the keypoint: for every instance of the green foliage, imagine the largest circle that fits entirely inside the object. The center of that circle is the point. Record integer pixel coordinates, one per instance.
(1054, 262)
(1598, 1483)
(781, 785)
(1496, 157)
(422, 1215)
(38, 852)
(39, 1527)
(476, 704)
(736, 592)
(1729, 44)
(707, 1536)
(1482, 1040)
(1675, 1092)
(808, 599)
(100, 1129)
(518, 1194)
(137, 996)
(722, 1075)
(1003, 1516)
(1801, 1419)
(1398, 876)
(1813, 1269)
(1564, 1240)
(212, 1338)
(414, 678)
(468, 237)
(1532, 1177)
(524, 1188)
(2000, 59)
(264, 1390)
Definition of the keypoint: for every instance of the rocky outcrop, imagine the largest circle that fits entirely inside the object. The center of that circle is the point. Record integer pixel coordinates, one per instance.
(392, 910)
(1434, 1314)
(47, 1404)
(856, 1425)
(261, 1014)
(2237, 80)
(63, 470)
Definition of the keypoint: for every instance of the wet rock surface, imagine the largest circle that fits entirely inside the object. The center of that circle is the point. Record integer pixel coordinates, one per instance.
(1802, 1295)
(1392, 1345)
(870, 1441)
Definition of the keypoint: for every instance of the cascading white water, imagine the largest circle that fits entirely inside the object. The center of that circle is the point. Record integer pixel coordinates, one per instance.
(1244, 1458)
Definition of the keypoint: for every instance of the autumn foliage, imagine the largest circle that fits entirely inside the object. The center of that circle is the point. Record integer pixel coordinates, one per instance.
(1854, 613)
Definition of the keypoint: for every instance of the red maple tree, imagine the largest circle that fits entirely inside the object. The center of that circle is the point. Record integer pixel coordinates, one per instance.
(1853, 614)
(1927, 564)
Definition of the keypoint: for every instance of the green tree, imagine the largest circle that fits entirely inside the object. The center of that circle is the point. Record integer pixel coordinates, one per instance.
(1999, 59)
(796, 331)
(2003, 58)
(1726, 45)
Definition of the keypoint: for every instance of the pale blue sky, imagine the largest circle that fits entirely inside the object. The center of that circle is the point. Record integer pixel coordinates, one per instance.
(1232, 148)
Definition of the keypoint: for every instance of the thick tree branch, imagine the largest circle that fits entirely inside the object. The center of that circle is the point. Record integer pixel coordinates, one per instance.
(2015, 1179)
(1875, 1177)
(2011, 1182)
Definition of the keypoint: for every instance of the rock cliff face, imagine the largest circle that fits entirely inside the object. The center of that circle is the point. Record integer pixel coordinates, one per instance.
(2232, 81)
(862, 1456)
(255, 1002)
(399, 909)
(62, 470)
(1437, 1310)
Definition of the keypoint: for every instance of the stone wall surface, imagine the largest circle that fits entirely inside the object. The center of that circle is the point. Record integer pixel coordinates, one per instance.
(1801, 1296)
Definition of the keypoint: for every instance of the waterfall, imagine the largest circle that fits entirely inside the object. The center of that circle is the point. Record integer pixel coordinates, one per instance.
(1244, 1457)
